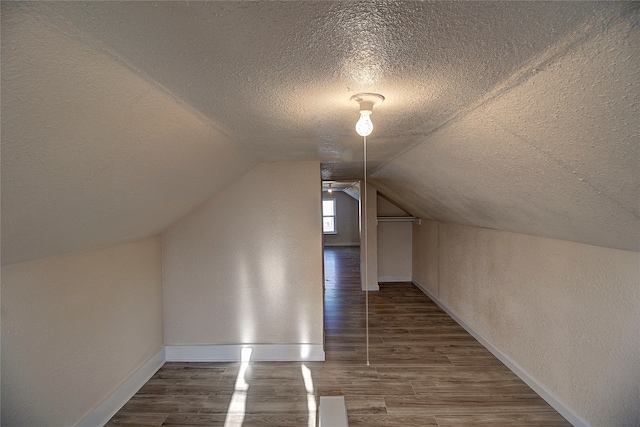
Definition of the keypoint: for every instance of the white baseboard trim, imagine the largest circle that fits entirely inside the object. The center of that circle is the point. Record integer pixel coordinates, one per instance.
(570, 415)
(232, 353)
(342, 244)
(102, 413)
(384, 279)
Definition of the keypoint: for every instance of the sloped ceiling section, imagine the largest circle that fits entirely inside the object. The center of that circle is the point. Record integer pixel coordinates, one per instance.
(557, 154)
(93, 154)
(120, 117)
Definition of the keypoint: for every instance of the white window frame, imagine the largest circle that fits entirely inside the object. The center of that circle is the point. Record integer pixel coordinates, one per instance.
(335, 223)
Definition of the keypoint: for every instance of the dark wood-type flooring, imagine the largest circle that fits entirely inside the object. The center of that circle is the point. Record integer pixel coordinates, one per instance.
(425, 370)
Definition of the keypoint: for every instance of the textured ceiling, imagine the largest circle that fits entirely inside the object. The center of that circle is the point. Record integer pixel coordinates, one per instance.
(555, 155)
(119, 117)
(278, 76)
(91, 153)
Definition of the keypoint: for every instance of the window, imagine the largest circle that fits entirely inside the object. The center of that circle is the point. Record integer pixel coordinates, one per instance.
(329, 216)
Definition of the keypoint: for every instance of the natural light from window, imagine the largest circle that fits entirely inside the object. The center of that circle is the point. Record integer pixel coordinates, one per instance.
(311, 397)
(329, 216)
(238, 405)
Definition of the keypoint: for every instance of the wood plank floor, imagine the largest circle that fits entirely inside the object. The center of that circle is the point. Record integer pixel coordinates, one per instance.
(425, 370)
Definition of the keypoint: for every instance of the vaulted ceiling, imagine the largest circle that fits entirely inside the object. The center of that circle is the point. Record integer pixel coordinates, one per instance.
(120, 117)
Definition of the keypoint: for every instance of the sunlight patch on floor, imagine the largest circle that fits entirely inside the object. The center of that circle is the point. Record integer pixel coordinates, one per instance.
(238, 405)
(311, 397)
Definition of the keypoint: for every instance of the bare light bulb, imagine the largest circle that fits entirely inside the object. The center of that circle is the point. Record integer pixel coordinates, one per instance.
(364, 127)
(330, 189)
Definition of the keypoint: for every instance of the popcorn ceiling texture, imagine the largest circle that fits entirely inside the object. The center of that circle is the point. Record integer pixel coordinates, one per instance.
(556, 156)
(121, 117)
(93, 154)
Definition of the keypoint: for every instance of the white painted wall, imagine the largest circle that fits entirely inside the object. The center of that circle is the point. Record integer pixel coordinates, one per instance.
(394, 244)
(246, 267)
(387, 208)
(75, 327)
(347, 221)
(394, 251)
(425, 266)
(566, 313)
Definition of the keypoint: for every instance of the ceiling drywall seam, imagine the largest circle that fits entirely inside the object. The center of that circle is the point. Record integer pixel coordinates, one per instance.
(60, 24)
(548, 155)
(589, 29)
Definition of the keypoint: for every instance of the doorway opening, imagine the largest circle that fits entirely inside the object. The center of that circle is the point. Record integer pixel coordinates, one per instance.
(341, 212)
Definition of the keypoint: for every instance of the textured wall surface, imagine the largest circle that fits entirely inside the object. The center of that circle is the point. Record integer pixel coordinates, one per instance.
(425, 246)
(347, 220)
(246, 267)
(75, 327)
(567, 313)
(120, 118)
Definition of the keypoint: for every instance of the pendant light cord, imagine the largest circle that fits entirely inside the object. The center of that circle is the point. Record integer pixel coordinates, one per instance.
(364, 127)
(366, 252)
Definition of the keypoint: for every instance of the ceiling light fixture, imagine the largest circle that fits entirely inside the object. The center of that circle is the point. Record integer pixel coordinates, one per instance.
(330, 190)
(367, 101)
(364, 127)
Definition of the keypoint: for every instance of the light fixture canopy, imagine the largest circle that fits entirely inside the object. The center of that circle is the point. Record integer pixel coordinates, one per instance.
(367, 101)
